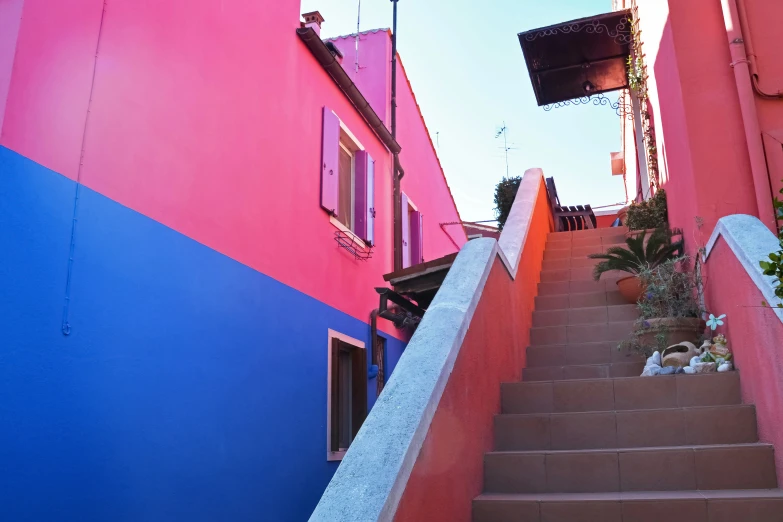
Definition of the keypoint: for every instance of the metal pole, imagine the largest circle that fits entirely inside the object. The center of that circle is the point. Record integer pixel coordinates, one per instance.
(505, 146)
(397, 192)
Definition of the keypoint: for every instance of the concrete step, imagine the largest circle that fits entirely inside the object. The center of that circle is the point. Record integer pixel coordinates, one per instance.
(548, 288)
(587, 315)
(609, 231)
(674, 468)
(569, 262)
(734, 424)
(755, 505)
(558, 243)
(580, 300)
(568, 251)
(583, 371)
(579, 354)
(581, 333)
(621, 393)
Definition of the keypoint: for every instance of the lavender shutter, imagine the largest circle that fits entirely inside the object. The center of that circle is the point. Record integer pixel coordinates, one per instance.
(406, 233)
(330, 146)
(370, 235)
(361, 166)
(417, 238)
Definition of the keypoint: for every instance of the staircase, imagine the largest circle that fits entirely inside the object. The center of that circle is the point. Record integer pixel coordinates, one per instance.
(584, 438)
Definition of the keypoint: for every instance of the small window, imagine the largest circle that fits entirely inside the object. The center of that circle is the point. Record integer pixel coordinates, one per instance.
(412, 233)
(347, 393)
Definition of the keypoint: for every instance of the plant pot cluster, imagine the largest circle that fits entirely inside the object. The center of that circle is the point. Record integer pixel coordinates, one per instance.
(643, 250)
(713, 356)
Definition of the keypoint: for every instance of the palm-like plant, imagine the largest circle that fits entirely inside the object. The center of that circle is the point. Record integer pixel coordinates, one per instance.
(638, 256)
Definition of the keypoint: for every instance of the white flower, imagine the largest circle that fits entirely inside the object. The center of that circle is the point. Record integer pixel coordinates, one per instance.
(715, 322)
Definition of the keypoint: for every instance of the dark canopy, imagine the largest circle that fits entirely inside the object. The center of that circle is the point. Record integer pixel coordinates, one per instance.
(578, 58)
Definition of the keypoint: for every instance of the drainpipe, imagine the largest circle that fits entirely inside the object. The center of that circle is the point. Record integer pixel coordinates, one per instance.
(754, 71)
(398, 173)
(758, 165)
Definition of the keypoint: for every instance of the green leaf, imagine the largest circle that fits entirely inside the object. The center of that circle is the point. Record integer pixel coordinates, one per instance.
(764, 303)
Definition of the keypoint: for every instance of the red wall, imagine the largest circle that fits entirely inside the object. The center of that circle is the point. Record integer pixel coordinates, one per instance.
(755, 335)
(448, 472)
(605, 221)
(206, 116)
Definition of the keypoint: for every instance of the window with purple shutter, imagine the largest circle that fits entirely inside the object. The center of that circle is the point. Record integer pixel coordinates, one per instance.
(330, 146)
(417, 238)
(406, 233)
(363, 196)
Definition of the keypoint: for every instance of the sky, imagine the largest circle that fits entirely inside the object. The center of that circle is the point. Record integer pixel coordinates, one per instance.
(468, 72)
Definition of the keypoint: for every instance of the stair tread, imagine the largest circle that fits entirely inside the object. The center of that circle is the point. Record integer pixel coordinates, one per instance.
(716, 494)
(587, 307)
(581, 365)
(634, 450)
(676, 376)
(625, 411)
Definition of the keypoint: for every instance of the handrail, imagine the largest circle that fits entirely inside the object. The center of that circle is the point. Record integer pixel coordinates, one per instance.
(751, 242)
(374, 472)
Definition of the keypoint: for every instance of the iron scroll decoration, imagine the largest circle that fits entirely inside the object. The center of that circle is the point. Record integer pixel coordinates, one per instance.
(621, 108)
(621, 34)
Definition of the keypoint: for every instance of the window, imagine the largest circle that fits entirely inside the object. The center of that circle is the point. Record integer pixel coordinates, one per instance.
(345, 176)
(347, 179)
(347, 392)
(379, 359)
(412, 233)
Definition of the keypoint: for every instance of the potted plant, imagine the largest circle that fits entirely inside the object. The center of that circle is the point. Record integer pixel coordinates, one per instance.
(640, 254)
(647, 215)
(669, 310)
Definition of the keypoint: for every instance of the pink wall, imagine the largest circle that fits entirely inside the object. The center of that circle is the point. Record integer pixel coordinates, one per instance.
(424, 179)
(448, 472)
(10, 19)
(702, 151)
(755, 336)
(764, 20)
(50, 83)
(206, 116)
(374, 76)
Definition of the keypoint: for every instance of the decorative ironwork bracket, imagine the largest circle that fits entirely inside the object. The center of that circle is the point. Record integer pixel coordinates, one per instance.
(620, 108)
(620, 34)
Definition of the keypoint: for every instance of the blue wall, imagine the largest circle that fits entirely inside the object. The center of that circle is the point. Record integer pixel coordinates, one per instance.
(192, 388)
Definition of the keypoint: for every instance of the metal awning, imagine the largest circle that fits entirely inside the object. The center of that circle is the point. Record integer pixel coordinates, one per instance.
(578, 58)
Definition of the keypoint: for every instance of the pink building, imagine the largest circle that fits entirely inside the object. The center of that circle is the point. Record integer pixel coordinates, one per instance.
(195, 214)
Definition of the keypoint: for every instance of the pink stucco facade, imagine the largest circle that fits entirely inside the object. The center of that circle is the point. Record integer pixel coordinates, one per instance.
(218, 138)
(755, 334)
(704, 152)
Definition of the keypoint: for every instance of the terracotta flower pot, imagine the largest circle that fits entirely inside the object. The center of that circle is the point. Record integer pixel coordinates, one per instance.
(631, 288)
(677, 330)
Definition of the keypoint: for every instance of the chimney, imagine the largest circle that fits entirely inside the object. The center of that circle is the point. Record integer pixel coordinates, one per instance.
(314, 21)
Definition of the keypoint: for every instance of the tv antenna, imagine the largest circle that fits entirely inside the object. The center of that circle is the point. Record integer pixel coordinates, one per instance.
(358, 22)
(503, 131)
